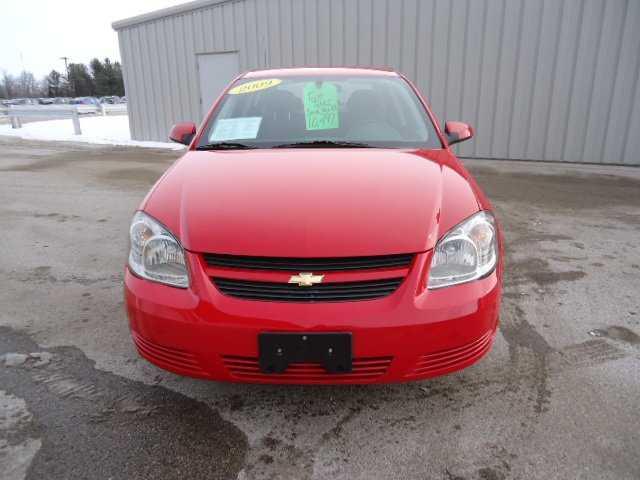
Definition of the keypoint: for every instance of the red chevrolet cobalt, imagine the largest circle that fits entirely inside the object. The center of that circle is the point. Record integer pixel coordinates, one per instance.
(319, 229)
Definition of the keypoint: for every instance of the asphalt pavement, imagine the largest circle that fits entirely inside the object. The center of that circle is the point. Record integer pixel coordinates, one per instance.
(557, 397)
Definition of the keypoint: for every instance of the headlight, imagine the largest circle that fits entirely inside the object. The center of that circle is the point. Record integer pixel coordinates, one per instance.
(468, 252)
(155, 254)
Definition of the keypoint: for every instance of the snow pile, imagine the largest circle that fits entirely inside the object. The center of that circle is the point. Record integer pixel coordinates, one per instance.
(110, 130)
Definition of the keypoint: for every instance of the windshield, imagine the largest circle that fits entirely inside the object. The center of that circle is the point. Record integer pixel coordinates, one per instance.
(340, 111)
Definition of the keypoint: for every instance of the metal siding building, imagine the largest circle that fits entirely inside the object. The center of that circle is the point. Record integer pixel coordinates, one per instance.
(539, 79)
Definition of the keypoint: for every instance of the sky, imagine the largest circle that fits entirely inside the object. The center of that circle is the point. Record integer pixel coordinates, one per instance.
(34, 34)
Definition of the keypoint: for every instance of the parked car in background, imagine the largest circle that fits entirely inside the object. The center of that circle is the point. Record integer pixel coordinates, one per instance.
(123, 99)
(85, 101)
(24, 101)
(110, 100)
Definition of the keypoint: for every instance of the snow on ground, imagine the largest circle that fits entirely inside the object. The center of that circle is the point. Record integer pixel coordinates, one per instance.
(109, 130)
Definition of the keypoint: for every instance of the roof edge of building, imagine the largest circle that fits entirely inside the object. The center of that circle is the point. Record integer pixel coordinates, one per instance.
(165, 12)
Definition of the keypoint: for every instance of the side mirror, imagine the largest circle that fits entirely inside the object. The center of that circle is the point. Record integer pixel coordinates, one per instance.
(458, 132)
(183, 132)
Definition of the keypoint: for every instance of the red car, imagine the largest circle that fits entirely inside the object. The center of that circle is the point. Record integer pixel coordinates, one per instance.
(319, 229)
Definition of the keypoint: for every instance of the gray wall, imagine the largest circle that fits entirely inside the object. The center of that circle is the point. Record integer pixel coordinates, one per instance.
(539, 79)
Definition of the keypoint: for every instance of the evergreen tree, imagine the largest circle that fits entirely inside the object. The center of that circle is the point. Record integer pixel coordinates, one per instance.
(107, 77)
(99, 77)
(119, 89)
(80, 81)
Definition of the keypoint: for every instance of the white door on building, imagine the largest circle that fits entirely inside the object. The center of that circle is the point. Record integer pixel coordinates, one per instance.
(216, 70)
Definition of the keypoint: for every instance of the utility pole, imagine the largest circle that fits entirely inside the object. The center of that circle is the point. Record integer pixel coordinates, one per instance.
(66, 67)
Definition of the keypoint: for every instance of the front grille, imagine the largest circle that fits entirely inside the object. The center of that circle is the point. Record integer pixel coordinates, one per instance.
(308, 264)
(327, 292)
(363, 370)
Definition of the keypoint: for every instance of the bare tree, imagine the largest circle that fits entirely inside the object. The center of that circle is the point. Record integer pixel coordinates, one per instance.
(53, 84)
(27, 84)
(8, 85)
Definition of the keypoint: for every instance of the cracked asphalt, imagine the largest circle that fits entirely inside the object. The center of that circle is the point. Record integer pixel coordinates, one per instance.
(556, 398)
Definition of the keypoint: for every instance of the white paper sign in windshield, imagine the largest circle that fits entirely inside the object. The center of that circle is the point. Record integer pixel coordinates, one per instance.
(241, 128)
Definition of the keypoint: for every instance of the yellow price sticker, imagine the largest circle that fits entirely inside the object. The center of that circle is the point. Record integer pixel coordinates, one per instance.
(255, 86)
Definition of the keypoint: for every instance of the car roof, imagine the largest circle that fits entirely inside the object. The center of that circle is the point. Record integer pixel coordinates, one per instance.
(315, 71)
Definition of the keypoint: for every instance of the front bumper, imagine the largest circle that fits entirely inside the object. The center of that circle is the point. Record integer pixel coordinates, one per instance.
(408, 335)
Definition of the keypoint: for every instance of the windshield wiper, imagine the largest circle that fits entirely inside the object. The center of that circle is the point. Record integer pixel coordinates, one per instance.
(225, 146)
(325, 144)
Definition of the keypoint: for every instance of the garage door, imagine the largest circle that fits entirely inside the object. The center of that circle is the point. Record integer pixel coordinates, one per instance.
(215, 71)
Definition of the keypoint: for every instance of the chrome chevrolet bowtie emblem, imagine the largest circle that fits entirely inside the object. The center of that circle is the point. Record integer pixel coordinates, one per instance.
(306, 279)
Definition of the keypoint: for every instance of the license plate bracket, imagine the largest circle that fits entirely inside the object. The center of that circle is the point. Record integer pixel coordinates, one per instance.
(331, 350)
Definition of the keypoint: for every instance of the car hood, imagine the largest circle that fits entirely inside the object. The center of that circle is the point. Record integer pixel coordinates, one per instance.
(312, 202)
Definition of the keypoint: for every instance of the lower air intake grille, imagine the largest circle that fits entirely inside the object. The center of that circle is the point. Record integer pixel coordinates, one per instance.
(439, 362)
(308, 264)
(169, 357)
(327, 292)
(363, 370)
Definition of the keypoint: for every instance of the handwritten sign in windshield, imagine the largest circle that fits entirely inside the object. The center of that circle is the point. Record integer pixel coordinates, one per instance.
(321, 108)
